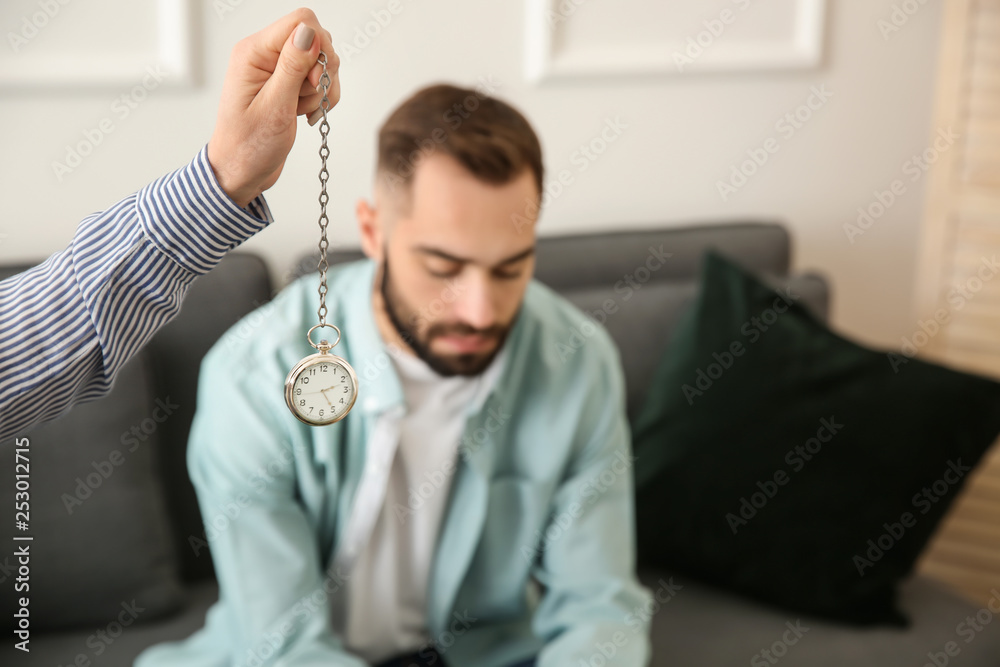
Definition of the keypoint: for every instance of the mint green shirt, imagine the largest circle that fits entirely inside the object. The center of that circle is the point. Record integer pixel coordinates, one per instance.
(536, 551)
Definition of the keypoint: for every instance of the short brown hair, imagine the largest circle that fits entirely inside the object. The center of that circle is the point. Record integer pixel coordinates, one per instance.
(487, 136)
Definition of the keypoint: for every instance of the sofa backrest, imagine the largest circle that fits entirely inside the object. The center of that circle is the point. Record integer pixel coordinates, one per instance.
(636, 282)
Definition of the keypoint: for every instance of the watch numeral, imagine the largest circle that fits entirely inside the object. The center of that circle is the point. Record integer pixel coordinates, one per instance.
(298, 391)
(302, 402)
(305, 380)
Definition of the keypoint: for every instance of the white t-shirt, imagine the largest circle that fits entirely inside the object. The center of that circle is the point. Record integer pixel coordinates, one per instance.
(385, 592)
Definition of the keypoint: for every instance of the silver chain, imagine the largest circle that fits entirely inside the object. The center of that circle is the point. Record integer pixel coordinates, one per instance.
(324, 176)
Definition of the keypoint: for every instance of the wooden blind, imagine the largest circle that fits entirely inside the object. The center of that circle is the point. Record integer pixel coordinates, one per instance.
(959, 273)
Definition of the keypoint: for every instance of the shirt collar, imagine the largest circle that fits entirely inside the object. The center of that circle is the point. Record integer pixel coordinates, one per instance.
(378, 386)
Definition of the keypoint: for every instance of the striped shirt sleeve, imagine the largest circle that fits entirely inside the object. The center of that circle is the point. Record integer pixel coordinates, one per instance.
(69, 324)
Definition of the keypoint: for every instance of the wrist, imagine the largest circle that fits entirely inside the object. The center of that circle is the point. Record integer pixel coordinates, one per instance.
(192, 220)
(229, 179)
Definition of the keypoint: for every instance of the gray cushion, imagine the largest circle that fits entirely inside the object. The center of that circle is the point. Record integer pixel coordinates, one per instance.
(703, 626)
(119, 649)
(239, 284)
(637, 325)
(588, 260)
(100, 528)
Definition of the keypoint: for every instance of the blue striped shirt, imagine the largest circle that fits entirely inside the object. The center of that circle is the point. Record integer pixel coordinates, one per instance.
(69, 324)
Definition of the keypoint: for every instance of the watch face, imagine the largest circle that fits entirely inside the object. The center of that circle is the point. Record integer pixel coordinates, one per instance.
(322, 390)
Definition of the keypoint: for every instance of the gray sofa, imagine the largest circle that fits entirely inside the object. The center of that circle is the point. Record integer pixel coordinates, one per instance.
(136, 536)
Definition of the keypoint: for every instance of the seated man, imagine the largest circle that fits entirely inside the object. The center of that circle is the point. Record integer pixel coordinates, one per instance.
(475, 506)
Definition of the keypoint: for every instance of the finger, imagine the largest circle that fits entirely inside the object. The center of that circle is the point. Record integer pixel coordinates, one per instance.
(307, 88)
(308, 104)
(313, 79)
(274, 37)
(327, 46)
(332, 64)
(297, 57)
(334, 92)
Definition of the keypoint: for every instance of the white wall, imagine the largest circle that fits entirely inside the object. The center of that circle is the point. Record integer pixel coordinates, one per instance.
(683, 134)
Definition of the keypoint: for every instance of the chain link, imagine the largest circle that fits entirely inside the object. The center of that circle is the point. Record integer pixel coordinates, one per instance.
(324, 198)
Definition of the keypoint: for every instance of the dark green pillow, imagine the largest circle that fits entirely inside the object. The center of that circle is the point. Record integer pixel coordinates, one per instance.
(784, 462)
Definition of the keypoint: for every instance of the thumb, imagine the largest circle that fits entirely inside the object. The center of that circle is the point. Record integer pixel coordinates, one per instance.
(297, 58)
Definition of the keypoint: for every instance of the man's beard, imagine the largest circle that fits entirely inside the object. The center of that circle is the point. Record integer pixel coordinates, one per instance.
(405, 323)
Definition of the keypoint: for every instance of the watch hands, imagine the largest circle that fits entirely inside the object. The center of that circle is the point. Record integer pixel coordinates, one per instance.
(323, 391)
(320, 391)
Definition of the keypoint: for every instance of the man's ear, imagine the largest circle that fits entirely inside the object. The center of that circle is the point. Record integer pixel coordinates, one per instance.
(370, 228)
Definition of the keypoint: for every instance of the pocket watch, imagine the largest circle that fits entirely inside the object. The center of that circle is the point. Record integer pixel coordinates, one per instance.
(321, 388)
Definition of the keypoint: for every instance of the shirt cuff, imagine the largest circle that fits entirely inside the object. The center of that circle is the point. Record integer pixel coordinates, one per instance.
(191, 219)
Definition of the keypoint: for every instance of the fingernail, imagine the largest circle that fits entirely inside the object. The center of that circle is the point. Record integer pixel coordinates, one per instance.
(303, 37)
(315, 116)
